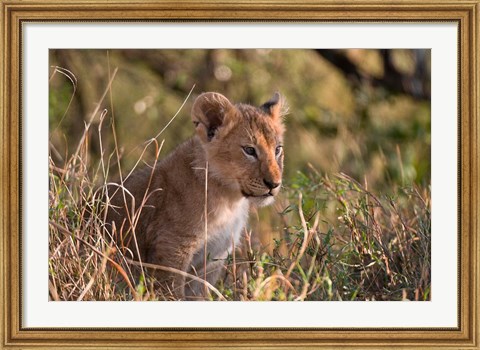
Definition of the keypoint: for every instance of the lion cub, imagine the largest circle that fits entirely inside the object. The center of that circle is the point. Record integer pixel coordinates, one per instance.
(161, 211)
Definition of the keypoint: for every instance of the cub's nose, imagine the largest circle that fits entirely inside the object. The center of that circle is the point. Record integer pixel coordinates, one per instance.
(271, 185)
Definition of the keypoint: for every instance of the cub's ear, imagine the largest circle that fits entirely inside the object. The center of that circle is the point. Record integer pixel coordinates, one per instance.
(209, 112)
(276, 106)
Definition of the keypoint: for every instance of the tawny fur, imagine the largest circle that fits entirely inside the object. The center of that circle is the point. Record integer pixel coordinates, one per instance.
(160, 214)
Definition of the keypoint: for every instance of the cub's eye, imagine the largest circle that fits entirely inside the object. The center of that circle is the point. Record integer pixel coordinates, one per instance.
(278, 150)
(250, 151)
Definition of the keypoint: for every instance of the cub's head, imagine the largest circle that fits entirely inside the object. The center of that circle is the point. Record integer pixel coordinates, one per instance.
(243, 144)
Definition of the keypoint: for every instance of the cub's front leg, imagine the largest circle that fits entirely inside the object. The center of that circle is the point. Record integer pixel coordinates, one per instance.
(195, 290)
(174, 251)
(219, 247)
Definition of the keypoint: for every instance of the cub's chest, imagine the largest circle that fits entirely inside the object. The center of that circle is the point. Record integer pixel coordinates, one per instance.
(228, 220)
(224, 229)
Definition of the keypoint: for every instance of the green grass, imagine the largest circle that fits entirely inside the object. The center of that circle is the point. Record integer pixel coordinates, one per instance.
(340, 242)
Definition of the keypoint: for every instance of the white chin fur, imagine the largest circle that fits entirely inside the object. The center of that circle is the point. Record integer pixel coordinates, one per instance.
(261, 201)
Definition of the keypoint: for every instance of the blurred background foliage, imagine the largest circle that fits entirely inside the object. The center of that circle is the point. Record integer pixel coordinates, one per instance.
(362, 112)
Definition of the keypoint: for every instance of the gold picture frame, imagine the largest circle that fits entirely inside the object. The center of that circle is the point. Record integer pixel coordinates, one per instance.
(464, 13)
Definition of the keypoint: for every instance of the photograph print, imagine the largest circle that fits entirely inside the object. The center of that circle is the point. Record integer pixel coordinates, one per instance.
(239, 175)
